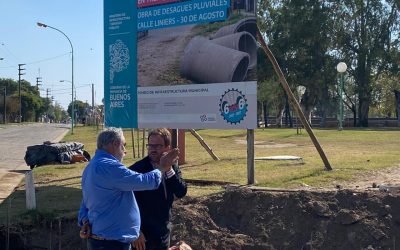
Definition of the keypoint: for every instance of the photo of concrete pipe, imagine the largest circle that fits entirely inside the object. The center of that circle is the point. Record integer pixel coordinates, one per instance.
(247, 24)
(207, 62)
(242, 41)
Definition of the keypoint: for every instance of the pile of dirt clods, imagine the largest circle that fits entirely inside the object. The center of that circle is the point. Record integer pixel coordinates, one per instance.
(246, 219)
(242, 218)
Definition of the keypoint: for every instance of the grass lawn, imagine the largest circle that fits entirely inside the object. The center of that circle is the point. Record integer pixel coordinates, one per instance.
(58, 191)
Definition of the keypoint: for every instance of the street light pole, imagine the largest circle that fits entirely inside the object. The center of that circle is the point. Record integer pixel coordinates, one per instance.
(341, 68)
(4, 100)
(72, 76)
(73, 101)
(20, 70)
(4, 103)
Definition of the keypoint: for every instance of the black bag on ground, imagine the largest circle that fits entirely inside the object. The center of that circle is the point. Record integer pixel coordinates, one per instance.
(47, 153)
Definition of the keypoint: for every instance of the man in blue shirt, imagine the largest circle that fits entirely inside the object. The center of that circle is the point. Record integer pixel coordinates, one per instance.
(108, 206)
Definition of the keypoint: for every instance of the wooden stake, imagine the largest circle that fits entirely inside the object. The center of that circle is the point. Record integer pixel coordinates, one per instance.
(143, 141)
(204, 144)
(293, 100)
(250, 156)
(138, 142)
(133, 144)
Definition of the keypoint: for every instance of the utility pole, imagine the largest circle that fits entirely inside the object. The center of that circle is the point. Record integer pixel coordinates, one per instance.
(20, 70)
(4, 103)
(47, 93)
(38, 79)
(92, 96)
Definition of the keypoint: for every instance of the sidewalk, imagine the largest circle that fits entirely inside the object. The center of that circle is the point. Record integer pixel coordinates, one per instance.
(10, 179)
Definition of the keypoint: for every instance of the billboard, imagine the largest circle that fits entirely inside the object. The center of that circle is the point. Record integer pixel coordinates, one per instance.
(120, 64)
(221, 106)
(196, 65)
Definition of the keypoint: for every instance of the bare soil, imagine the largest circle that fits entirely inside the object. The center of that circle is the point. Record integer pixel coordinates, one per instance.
(251, 218)
(248, 219)
(358, 214)
(159, 55)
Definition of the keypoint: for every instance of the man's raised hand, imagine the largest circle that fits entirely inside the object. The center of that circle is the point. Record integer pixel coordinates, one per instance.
(168, 159)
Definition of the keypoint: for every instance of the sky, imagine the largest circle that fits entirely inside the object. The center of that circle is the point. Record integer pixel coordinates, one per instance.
(47, 52)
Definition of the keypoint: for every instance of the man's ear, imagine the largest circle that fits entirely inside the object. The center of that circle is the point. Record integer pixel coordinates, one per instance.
(115, 143)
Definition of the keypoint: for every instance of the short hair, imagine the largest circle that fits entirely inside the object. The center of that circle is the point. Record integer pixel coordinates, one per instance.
(109, 135)
(164, 133)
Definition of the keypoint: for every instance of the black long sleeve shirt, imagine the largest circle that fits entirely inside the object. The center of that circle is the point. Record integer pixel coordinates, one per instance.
(155, 207)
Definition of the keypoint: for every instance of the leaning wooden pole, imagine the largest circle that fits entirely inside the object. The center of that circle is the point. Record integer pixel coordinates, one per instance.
(133, 144)
(204, 144)
(293, 100)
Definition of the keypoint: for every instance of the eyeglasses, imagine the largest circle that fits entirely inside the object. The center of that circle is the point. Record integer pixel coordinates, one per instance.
(154, 146)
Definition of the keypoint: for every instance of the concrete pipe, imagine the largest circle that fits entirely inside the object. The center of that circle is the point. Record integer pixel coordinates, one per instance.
(242, 41)
(207, 62)
(246, 24)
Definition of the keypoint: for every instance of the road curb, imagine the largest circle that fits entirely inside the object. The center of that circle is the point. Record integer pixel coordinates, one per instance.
(9, 180)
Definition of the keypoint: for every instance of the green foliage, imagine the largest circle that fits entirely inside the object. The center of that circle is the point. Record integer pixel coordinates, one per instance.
(383, 98)
(209, 28)
(367, 37)
(59, 113)
(309, 38)
(33, 106)
(293, 30)
(80, 109)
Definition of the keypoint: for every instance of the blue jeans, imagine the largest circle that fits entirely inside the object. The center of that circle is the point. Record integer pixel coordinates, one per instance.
(93, 244)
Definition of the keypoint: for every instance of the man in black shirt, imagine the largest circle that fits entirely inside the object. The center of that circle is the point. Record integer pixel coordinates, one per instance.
(155, 206)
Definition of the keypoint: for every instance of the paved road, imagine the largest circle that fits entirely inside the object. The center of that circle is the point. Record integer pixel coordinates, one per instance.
(13, 142)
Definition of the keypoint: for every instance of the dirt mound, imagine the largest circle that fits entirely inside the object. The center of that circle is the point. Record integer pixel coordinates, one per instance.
(245, 219)
(241, 218)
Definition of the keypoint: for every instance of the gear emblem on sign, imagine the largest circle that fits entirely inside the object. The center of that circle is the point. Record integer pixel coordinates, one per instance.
(233, 106)
(119, 58)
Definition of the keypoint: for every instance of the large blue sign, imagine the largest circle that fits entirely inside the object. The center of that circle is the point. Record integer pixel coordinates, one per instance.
(120, 63)
(182, 13)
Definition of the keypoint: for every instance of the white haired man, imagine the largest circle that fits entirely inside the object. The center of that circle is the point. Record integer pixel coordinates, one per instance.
(109, 215)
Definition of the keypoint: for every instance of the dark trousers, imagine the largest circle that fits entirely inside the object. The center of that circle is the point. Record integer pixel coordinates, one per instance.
(93, 244)
(157, 243)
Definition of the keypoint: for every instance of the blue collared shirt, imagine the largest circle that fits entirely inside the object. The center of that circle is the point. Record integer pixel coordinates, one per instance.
(108, 200)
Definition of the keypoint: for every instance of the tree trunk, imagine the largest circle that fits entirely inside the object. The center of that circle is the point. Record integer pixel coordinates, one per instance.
(397, 94)
(324, 103)
(260, 112)
(308, 102)
(288, 116)
(353, 108)
(364, 93)
(363, 109)
(279, 116)
(265, 112)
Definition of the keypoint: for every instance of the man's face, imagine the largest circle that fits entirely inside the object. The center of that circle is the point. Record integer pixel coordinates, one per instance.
(156, 147)
(119, 149)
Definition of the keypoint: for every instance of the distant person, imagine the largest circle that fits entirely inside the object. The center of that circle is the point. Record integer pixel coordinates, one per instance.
(109, 216)
(155, 205)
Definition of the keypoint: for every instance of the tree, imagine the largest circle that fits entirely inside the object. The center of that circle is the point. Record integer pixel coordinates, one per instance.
(294, 31)
(367, 33)
(383, 100)
(80, 109)
(32, 105)
(59, 113)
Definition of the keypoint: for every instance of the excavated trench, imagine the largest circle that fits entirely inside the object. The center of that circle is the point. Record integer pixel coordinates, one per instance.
(246, 219)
